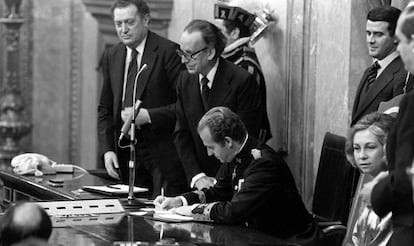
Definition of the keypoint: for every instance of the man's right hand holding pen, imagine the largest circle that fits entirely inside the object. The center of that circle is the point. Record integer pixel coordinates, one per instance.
(166, 203)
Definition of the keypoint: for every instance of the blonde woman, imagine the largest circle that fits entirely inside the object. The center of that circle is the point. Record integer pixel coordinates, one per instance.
(365, 149)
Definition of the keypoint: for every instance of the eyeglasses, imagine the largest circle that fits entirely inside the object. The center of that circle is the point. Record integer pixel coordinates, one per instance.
(191, 56)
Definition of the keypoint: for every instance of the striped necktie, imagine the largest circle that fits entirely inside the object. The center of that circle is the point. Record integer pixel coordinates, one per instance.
(372, 74)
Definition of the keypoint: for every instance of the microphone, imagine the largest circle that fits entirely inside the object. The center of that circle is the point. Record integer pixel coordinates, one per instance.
(127, 124)
(143, 68)
(138, 104)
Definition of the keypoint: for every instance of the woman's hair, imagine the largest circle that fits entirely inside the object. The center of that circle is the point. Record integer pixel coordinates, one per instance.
(378, 124)
(407, 21)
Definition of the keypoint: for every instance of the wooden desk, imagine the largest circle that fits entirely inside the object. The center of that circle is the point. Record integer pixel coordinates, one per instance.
(137, 229)
(31, 188)
(120, 229)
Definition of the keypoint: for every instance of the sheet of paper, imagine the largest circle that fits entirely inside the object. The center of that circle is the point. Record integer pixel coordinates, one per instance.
(169, 216)
(115, 189)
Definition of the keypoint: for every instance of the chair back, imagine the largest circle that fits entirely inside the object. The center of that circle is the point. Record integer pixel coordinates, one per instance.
(355, 211)
(335, 182)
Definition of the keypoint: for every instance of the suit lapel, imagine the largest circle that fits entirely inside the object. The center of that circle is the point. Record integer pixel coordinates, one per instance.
(383, 80)
(149, 57)
(118, 66)
(358, 93)
(221, 85)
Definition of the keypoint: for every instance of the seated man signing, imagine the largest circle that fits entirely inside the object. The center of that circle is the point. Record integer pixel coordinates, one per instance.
(254, 185)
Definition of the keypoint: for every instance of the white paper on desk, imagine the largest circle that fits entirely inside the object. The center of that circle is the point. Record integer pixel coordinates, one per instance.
(169, 216)
(114, 189)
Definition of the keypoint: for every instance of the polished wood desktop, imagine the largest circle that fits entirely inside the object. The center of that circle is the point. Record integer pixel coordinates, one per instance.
(16, 188)
(138, 230)
(124, 228)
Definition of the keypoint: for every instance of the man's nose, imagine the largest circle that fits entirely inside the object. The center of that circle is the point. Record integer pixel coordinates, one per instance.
(209, 152)
(184, 59)
(124, 28)
(371, 38)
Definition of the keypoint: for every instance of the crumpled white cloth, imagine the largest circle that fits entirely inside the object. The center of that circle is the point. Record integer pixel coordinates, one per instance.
(32, 163)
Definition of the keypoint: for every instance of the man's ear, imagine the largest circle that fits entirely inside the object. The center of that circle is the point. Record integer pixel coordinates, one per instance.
(235, 33)
(412, 41)
(146, 19)
(212, 54)
(228, 142)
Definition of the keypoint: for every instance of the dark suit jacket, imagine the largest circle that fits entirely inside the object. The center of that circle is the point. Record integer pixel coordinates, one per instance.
(394, 193)
(156, 89)
(233, 87)
(389, 84)
(245, 57)
(267, 198)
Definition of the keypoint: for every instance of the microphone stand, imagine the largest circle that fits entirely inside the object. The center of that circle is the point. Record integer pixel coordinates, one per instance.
(132, 156)
(133, 140)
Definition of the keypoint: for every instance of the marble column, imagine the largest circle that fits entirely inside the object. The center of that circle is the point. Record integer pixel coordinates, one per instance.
(12, 124)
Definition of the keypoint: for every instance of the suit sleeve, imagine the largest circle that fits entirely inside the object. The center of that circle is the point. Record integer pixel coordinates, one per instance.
(183, 140)
(249, 104)
(395, 192)
(260, 181)
(222, 191)
(106, 128)
(172, 68)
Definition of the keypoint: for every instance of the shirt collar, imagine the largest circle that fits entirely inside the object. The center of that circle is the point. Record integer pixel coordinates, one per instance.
(211, 74)
(386, 61)
(139, 48)
(243, 144)
(241, 155)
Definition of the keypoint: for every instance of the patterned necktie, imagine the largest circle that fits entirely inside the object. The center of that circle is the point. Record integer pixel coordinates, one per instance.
(205, 91)
(132, 73)
(372, 74)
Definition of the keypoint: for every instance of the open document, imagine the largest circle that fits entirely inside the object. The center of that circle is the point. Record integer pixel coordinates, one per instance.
(113, 190)
(163, 215)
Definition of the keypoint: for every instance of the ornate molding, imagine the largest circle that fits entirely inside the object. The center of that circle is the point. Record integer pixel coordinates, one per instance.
(13, 125)
(75, 78)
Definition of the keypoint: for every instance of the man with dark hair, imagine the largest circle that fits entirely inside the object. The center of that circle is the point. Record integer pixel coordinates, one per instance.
(157, 164)
(387, 76)
(208, 82)
(237, 26)
(22, 221)
(254, 186)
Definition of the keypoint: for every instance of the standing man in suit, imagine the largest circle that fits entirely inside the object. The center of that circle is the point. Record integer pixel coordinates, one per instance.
(386, 77)
(208, 82)
(394, 192)
(157, 164)
(237, 26)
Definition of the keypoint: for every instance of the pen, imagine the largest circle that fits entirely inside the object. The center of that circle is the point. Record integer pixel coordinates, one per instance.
(113, 187)
(161, 231)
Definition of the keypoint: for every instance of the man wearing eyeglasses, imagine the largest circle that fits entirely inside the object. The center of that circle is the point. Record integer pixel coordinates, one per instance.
(157, 163)
(209, 81)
